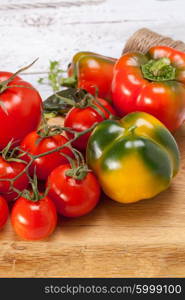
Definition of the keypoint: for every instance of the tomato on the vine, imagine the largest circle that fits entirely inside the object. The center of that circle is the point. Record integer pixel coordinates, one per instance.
(35, 145)
(20, 109)
(9, 170)
(82, 118)
(73, 197)
(3, 212)
(34, 220)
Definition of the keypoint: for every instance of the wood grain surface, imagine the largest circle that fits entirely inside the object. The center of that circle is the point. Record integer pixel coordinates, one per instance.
(145, 239)
(136, 240)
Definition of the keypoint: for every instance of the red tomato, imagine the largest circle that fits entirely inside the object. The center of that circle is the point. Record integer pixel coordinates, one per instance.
(3, 212)
(47, 163)
(20, 110)
(73, 198)
(9, 170)
(34, 220)
(80, 119)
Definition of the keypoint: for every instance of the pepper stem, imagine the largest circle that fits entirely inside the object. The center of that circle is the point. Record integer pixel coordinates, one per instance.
(159, 70)
(158, 65)
(69, 81)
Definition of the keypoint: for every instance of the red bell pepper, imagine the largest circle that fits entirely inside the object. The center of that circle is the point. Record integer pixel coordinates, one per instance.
(92, 72)
(152, 83)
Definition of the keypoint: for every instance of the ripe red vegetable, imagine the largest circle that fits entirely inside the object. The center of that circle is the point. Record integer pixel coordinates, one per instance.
(3, 212)
(35, 145)
(20, 109)
(73, 197)
(34, 220)
(8, 170)
(82, 118)
(152, 83)
(92, 72)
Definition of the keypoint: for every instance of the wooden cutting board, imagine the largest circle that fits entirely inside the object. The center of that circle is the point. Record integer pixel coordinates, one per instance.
(145, 239)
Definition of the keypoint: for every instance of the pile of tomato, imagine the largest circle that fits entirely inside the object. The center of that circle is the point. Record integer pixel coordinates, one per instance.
(43, 172)
(58, 193)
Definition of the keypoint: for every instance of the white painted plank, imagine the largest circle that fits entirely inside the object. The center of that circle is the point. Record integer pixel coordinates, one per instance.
(100, 26)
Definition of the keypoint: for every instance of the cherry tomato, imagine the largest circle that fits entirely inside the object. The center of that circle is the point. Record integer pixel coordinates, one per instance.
(3, 212)
(34, 220)
(73, 198)
(80, 119)
(20, 110)
(44, 165)
(9, 170)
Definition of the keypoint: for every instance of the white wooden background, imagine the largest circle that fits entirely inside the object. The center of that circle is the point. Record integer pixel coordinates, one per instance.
(30, 29)
(56, 34)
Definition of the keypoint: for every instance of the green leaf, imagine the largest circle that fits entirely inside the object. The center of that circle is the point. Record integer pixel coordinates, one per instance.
(57, 105)
(54, 76)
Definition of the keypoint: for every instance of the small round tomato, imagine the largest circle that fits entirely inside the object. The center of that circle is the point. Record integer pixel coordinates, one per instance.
(80, 119)
(20, 109)
(73, 197)
(9, 170)
(35, 145)
(3, 212)
(34, 220)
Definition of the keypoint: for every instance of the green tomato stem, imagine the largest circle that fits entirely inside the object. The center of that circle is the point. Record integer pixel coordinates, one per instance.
(34, 157)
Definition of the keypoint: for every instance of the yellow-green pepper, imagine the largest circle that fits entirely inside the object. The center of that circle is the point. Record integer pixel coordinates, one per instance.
(134, 158)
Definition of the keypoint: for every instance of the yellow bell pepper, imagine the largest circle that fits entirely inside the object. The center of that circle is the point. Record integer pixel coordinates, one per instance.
(134, 158)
